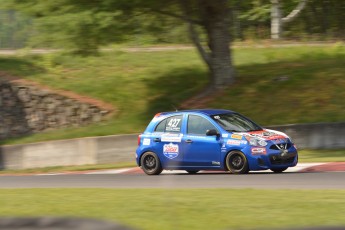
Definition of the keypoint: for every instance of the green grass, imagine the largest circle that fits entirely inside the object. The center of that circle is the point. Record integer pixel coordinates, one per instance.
(312, 92)
(183, 209)
(308, 155)
(143, 83)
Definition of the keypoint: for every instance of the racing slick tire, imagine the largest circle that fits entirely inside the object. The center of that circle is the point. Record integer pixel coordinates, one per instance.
(279, 170)
(151, 164)
(236, 162)
(192, 171)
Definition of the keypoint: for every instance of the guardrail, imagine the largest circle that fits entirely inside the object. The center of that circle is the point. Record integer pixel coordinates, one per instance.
(121, 148)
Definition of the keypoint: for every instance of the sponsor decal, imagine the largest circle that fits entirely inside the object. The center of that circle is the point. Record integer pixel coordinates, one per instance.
(265, 135)
(258, 151)
(223, 149)
(146, 141)
(225, 135)
(236, 142)
(215, 162)
(170, 150)
(233, 142)
(171, 137)
(236, 136)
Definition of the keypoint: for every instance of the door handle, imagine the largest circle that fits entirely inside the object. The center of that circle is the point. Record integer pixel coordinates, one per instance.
(189, 141)
(157, 140)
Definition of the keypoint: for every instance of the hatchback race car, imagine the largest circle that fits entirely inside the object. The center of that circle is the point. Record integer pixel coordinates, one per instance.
(212, 139)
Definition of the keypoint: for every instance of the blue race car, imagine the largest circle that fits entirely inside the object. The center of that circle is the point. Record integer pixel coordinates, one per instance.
(212, 139)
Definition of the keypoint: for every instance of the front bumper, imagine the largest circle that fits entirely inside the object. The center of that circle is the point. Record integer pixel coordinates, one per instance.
(273, 159)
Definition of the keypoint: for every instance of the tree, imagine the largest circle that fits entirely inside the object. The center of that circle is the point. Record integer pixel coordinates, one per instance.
(277, 22)
(214, 18)
(85, 25)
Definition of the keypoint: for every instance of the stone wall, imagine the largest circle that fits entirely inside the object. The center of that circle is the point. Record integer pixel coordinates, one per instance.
(26, 109)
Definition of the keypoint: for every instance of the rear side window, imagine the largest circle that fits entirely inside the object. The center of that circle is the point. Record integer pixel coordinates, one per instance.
(198, 125)
(161, 126)
(171, 125)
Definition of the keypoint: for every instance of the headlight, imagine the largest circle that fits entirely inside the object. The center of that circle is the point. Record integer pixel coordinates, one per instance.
(289, 138)
(257, 142)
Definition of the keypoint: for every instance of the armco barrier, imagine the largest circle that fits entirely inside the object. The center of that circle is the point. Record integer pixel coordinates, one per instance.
(121, 148)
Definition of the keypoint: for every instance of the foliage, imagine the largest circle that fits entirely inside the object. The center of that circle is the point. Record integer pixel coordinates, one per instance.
(62, 23)
(257, 11)
(275, 85)
(72, 25)
(14, 29)
(82, 26)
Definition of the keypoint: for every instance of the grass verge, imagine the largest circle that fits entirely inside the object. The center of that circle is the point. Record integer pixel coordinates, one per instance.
(183, 209)
(327, 155)
(273, 86)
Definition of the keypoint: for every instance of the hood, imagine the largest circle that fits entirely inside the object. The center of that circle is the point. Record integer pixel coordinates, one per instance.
(265, 134)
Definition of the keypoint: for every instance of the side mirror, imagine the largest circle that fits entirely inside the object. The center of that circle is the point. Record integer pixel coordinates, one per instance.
(212, 132)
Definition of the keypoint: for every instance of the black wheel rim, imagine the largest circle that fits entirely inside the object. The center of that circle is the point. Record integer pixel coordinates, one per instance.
(150, 163)
(237, 162)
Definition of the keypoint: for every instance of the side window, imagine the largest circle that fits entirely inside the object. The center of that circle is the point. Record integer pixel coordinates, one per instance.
(198, 125)
(161, 126)
(171, 125)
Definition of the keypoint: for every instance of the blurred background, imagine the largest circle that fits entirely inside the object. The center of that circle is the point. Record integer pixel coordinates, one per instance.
(141, 58)
(79, 68)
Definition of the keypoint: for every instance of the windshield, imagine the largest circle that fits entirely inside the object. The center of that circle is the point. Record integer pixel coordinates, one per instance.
(234, 122)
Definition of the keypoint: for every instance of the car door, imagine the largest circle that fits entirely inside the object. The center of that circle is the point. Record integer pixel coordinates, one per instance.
(198, 148)
(166, 141)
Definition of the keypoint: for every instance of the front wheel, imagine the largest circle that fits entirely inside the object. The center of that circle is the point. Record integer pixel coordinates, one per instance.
(280, 170)
(151, 164)
(236, 162)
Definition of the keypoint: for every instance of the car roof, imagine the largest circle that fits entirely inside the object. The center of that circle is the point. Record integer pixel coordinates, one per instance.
(208, 112)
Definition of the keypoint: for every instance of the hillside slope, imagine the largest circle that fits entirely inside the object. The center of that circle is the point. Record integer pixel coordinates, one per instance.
(274, 85)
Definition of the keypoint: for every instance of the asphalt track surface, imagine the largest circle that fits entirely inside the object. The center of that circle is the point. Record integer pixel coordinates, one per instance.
(287, 180)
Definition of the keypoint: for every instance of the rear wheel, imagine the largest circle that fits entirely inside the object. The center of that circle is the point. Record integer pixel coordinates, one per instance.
(236, 162)
(151, 164)
(192, 171)
(280, 170)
